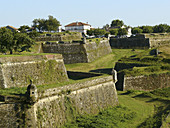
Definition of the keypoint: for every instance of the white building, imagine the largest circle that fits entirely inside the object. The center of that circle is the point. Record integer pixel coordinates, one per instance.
(59, 28)
(78, 27)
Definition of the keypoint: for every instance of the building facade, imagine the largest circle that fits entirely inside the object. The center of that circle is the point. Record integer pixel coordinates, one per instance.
(78, 27)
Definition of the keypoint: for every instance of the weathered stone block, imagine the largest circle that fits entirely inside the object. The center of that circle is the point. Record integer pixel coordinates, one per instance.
(78, 52)
(17, 71)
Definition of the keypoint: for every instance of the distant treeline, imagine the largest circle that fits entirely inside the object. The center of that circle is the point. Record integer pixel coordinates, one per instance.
(161, 28)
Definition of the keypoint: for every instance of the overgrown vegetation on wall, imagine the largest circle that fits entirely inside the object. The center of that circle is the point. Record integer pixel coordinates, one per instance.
(137, 109)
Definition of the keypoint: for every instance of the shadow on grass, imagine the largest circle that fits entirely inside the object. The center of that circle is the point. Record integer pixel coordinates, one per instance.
(81, 75)
(155, 121)
(161, 108)
(103, 71)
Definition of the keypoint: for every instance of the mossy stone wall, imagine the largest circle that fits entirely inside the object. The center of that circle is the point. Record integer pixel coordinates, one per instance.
(79, 53)
(141, 43)
(147, 83)
(60, 37)
(18, 71)
(95, 50)
(59, 105)
(157, 42)
(88, 97)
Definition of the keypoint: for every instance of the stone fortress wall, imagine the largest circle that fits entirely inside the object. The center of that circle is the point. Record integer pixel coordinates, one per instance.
(131, 43)
(140, 41)
(58, 105)
(79, 52)
(17, 71)
(61, 37)
(143, 82)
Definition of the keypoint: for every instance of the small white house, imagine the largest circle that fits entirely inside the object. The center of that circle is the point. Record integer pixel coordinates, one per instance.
(78, 27)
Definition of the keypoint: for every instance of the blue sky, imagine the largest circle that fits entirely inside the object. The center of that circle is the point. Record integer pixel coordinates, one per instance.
(95, 12)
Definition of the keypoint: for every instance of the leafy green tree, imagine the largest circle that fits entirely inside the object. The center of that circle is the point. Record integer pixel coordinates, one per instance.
(99, 32)
(106, 27)
(113, 31)
(22, 42)
(52, 24)
(35, 24)
(136, 30)
(147, 29)
(33, 34)
(161, 28)
(96, 32)
(117, 23)
(122, 31)
(90, 32)
(39, 24)
(107, 34)
(23, 28)
(14, 41)
(6, 40)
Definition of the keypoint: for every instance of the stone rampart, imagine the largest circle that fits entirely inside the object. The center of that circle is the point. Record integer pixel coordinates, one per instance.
(60, 37)
(146, 83)
(59, 105)
(72, 53)
(120, 65)
(157, 42)
(132, 43)
(17, 71)
(95, 50)
(79, 53)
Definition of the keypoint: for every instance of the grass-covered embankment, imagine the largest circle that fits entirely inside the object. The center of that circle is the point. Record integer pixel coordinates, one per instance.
(137, 109)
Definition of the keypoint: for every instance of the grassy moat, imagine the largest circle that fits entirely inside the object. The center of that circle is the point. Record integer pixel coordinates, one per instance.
(137, 109)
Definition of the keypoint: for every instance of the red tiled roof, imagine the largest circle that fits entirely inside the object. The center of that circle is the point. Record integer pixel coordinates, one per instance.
(12, 27)
(77, 24)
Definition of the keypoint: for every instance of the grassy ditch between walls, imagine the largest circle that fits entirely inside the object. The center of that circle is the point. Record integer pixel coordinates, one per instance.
(137, 109)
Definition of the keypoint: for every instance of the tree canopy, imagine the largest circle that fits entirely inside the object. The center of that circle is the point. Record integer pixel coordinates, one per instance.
(137, 30)
(113, 31)
(117, 23)
(122, 31)
(161, 28)
(14, 41)
(96, 32)
(50, 24)
(147, 29)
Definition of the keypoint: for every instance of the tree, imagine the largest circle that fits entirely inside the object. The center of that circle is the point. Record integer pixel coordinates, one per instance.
(117, 23)
(23, 28)
(6, 40)
(90, 32)
(22, 42)
(147, 29)
(122, 31)
(13, 41)
(52, 24)
(33, 34)
(136, 30)
(161, 28)
(113, 31)
(106, 27)
(99, 32)
(96, 32)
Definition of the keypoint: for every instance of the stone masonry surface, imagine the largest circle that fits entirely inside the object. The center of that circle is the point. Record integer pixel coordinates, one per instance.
(59, 105)
(79, 53)
(17, 71)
